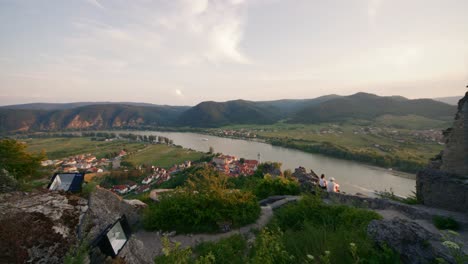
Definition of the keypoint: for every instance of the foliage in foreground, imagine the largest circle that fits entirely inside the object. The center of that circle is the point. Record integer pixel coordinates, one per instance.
(444, 223)
(276, 186)
(201, 206)
(390, 195)
(227, 250)
(312, 228)
(17, 161)
(305, 232)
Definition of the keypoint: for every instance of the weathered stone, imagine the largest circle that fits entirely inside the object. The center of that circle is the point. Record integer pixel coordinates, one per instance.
(444, 183)
(308, 181)
(134, 252)
(455, 155)
(414, 243)
(136, 203)
(38, 228)
(105, 207)
(443, 190)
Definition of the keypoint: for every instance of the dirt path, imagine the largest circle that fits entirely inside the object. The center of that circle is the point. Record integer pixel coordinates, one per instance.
(149, 244)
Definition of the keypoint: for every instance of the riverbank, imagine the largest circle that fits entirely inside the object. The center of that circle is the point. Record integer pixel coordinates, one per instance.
(401, 151)
(331, 150)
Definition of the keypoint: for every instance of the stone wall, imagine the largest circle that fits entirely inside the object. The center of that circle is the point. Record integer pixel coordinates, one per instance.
(442, 189)
(455, 155)
(444, 183)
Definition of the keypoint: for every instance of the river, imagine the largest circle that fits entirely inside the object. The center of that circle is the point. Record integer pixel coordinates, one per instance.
(352, 176)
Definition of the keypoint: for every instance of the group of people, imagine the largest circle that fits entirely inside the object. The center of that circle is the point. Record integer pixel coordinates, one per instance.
(330, 186)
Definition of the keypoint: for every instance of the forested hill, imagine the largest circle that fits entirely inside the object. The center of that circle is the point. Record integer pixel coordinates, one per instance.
(89, 117)
(331, 108)
(369, 106)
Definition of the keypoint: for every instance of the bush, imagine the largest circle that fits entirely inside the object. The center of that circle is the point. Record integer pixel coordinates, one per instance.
(173, 253)
(443, 223)
(201, 205)
(269, 248)
(276, 186)
(228, 250)
(17, 161)
(312, 228)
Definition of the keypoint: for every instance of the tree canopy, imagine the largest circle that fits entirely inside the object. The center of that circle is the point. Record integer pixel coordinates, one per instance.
(17, 161)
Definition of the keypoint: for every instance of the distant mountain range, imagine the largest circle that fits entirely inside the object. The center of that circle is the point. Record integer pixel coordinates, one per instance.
(106, 115)
(453, 100)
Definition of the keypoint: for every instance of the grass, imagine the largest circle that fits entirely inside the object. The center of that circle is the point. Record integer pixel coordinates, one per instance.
(311, 228)
(227, 250)
(64, 147)
(158, 155)
(302, 231)
(444, 223)
(163, 156)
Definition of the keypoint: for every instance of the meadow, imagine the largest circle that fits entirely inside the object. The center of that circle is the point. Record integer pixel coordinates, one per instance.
(389, 141)
(61, 147)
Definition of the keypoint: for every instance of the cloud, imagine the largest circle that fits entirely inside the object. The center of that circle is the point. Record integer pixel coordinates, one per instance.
(172, 33)
(95, 3)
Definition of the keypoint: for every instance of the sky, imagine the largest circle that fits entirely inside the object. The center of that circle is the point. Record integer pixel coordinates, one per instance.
(182, 52)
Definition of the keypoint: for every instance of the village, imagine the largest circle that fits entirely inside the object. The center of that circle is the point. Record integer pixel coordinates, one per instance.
(153, 176)
(83, 162)
(228, 165)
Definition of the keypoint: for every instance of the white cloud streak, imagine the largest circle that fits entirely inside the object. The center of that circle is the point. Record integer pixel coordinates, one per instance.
(95, 3)
(178, 33)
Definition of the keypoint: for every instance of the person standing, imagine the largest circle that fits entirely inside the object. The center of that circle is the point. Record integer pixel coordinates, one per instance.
(323, 182)
(332, 186)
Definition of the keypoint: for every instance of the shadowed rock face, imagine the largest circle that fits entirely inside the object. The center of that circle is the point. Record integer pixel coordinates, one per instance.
(444, 183)
(455, 155)
(414, 243)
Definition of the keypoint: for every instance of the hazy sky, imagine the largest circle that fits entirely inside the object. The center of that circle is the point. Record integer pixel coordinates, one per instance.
(181, 52)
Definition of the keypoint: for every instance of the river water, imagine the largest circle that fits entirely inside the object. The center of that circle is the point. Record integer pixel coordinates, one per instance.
(353, 177)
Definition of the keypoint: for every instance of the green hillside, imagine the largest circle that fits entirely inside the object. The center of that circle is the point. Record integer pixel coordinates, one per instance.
(369, 107)
(331, 108)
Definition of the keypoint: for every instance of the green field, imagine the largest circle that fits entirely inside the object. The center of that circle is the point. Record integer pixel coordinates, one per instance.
(56, 148)
(163, 156)
(388, 137)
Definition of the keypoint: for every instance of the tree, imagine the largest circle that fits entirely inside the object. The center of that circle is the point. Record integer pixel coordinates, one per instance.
(17, 161)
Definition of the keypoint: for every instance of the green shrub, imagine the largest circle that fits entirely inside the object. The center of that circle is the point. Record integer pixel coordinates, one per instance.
(201, 212)
(269, 248)
(443, 223)
(88, 188)
(77, 255)
(312, 228)
(201, 205)
(173, 254)
(228, 250)
(276, 186)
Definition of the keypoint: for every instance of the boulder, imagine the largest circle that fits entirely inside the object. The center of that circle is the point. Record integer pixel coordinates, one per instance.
(136, 203)
(415, 244)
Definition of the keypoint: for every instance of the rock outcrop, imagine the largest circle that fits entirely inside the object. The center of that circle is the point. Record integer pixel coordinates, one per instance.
(455, 155)
(414, 243)
(444, 183)
(38, 227)
(105, 208)
(308, 181)
(43, 226)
